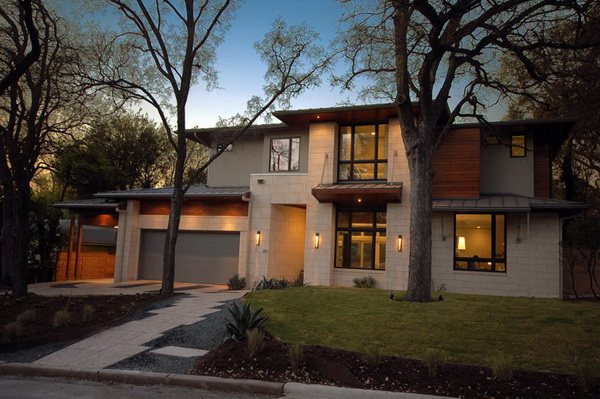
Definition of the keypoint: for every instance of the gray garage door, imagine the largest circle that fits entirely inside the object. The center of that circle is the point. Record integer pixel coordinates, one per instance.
(201, 257)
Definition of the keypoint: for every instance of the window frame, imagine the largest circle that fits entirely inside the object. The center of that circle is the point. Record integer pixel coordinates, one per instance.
(494, 260)
(375, 161)
(289, 154)
(346, 259)
(514, 147)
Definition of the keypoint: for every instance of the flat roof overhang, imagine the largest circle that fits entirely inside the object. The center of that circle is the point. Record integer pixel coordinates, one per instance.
(359, 194)
(373, 113)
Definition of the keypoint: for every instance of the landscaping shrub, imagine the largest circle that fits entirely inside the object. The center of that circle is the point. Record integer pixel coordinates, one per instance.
(244, 319)
(270, 284)
(61, 318)
(256, 342)
(88, 312)
(26, 316)
(434, 361)
(374, 354)
(11, 331)
(587, 376)
(236, 283)
(364, 282)
(502, 367)
(296, 356)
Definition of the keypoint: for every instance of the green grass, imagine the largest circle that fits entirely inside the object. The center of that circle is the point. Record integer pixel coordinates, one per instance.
(540, 334)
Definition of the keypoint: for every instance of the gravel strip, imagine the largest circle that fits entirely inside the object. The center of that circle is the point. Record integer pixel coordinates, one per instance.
(206, 334)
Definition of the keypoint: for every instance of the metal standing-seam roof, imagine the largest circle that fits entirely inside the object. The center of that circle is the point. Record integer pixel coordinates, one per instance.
(505, 203)
(195, 191)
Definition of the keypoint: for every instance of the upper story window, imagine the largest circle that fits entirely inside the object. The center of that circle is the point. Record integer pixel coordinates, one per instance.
(363, 152)
(284, 154)
(480, 242)
(517, 146)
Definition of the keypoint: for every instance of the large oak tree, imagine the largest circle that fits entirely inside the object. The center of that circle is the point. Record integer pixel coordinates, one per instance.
(438, 52)
(165, 47)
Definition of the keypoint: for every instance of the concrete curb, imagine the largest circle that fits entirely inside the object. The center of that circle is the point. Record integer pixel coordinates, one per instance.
(144, 378)
(295, 390)
(290, 389)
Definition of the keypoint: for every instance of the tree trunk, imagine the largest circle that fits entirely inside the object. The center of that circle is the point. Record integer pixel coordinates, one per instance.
(15, 238)
(418, 143)
(168, 282)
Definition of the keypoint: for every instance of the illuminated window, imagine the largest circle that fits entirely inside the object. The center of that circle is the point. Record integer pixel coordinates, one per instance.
(480, 242)
(361, 240)
(517, 146)
(285, 155)
(363, 152)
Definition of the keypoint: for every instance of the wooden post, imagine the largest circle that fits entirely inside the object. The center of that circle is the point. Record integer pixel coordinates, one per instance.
(70, 248)
(79, 240)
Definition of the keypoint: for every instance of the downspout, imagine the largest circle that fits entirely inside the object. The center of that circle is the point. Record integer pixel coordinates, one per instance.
(324, 167)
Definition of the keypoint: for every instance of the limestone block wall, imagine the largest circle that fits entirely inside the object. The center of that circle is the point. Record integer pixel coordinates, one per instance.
(128, 243)
(533, 259)
(286, 254)
(268, 190)
(320, 217)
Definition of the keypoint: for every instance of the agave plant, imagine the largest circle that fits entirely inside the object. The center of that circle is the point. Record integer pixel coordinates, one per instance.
(242, 320)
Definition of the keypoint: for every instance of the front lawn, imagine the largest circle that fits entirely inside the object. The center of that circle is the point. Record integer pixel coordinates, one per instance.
(541, 334)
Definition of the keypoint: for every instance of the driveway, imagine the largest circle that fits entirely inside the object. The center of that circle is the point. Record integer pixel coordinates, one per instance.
(168, 336)
(107, 286)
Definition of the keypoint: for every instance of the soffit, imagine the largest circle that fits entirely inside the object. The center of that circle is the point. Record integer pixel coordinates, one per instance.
(359, 194)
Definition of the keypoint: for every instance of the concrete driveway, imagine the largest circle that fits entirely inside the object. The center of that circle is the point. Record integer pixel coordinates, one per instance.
(107, 286)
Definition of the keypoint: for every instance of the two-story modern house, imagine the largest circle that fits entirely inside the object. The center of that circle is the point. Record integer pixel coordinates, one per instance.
(326, 193)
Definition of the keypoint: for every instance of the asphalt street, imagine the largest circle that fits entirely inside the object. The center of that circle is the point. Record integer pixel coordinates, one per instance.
(45, 388)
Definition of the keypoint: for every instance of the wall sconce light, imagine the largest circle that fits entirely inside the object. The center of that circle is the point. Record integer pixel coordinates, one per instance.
(399, 243)
(258, 238)
(462, 245)
(317, 240)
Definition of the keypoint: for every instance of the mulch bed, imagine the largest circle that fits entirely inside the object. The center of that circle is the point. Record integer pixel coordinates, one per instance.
(329, 366)
(108, 310)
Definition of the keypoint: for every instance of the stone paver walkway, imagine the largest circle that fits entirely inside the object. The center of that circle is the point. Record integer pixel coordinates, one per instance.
(126, 340)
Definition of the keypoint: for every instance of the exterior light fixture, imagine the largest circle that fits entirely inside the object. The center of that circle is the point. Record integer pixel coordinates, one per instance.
(399, 242)
(317, 240)
(462, 245)
(258, 238)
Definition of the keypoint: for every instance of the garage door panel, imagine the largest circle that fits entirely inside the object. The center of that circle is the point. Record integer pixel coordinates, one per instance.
(201, 257)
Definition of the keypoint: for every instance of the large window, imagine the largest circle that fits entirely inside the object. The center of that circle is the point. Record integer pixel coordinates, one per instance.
(360, 239)
(480, 242)
(285, 155)
(363, 152)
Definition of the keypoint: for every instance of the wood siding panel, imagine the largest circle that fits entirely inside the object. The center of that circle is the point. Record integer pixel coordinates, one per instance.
(541, 168)
(197, 208)
(91, 265)
(457, 165)
(99, 220)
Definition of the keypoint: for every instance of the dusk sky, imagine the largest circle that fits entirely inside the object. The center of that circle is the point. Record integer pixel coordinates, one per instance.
(240, 69)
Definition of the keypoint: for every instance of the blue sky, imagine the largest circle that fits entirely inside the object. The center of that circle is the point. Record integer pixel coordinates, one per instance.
(241, 71)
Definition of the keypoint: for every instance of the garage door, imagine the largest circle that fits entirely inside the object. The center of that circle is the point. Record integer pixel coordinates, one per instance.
(201, 257)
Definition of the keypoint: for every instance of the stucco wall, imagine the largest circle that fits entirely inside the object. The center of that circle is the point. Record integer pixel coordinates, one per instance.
(502, 174)
(533, 267)
(249, 156)
(233, 168)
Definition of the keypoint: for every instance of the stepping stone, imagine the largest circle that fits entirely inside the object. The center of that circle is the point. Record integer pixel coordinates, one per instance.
(179, 351)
